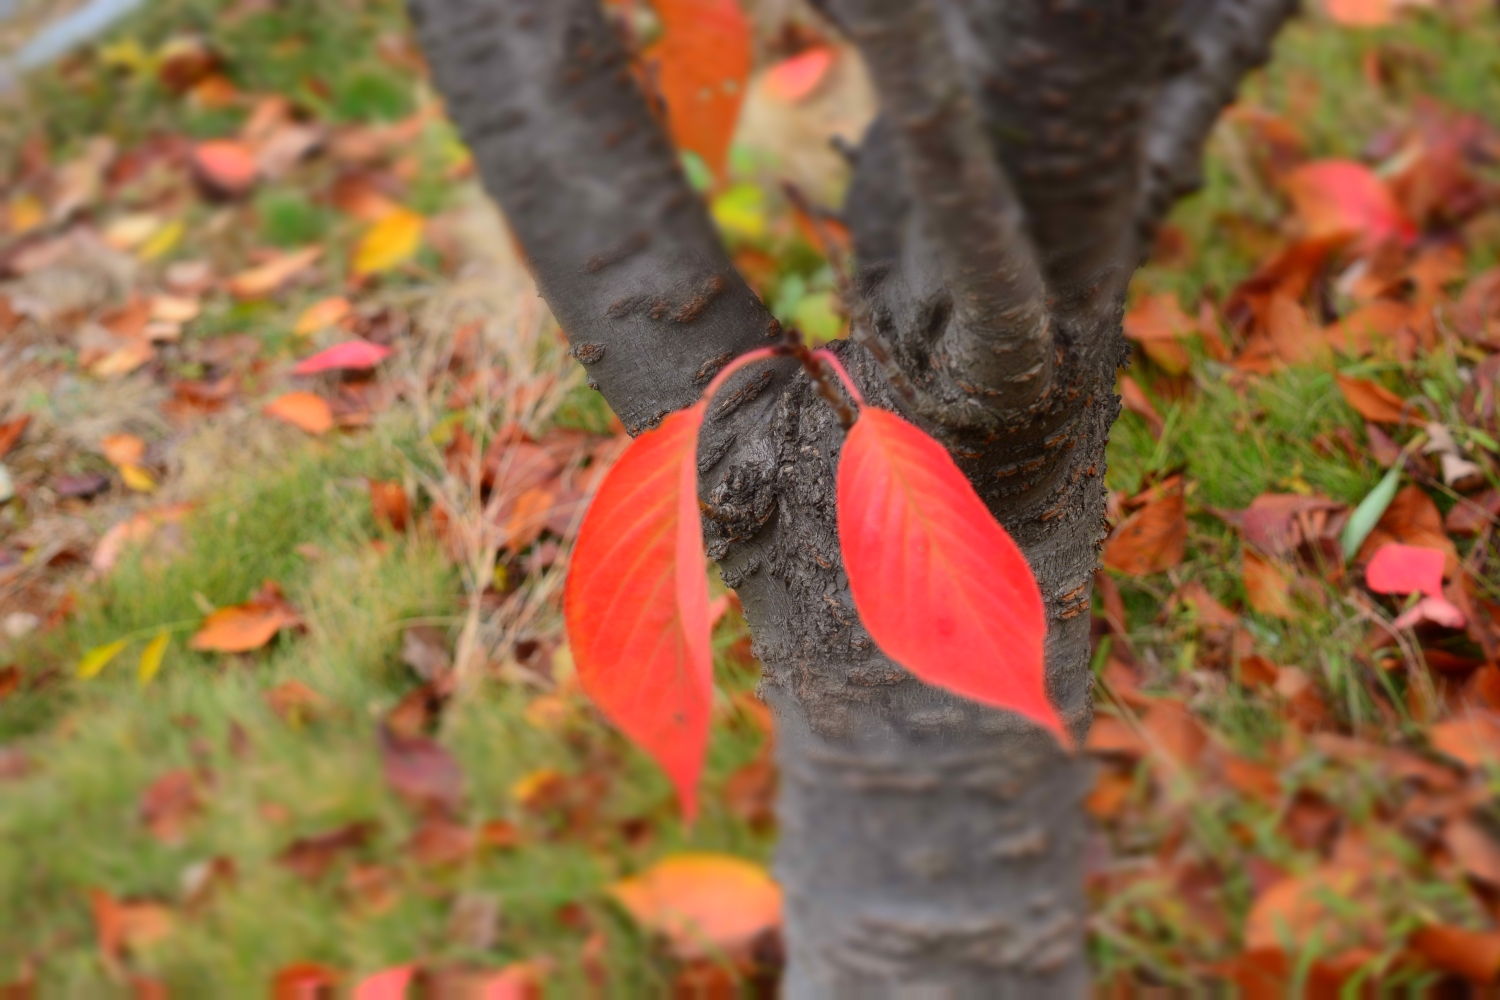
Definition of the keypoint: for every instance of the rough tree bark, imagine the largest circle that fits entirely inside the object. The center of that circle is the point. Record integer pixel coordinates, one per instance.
(1025, 152)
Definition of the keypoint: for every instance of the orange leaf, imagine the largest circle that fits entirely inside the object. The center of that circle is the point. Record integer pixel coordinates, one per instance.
(793, 79)
(636, 601)
(1152, 540)
(123, 449)
(243, 627)
(390, 504)
(306, 410)
(1371, 400)
(1267, 586)
(304, 981)
(389, 984)
(259, 282)
(703, 903)
(1473, 739)
(941, 587)
(1158, 324)
(1471, 954)
(322, 314)
(702, 64)
(1360, 13)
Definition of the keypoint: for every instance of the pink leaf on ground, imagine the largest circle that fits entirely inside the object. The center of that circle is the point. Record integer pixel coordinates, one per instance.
(1406, 569)
(351, 354)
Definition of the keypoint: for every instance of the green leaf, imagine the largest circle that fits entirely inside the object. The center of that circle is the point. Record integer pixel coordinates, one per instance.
(151, 657)
(94, 660)
(1363, 520)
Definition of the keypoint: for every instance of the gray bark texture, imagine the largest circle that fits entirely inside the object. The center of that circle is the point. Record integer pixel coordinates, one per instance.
(930, 847)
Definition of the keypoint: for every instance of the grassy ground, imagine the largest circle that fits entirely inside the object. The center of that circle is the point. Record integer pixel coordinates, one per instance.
(554, 805)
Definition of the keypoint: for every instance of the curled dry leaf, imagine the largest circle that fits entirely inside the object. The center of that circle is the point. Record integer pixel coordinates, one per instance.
(304, 410)
(1371, 400)
(311, 857)
(1153, 539)
(704, 904)
(243, 627)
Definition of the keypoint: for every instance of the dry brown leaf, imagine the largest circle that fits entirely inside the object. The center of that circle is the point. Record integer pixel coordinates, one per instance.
(1295, 338)
(1159, 325)
(1267, 586)
(1151, 540)
(136, 528)
(1136, 401)
(1371, 400)
(295, 703)
(528, 517)
(390, 504)
(421, 771)
(1473, 739)
(312, 857)
(259, 282)
(703, 903)
(1475, 955)
(1475, 850)
(243, 627)
(305, 410)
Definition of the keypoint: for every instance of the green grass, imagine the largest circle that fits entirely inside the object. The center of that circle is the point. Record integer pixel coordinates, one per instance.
(97, 744)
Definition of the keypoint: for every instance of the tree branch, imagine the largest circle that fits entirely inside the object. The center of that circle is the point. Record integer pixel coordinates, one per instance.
(997, 343)
(621, 247)
(1225, 39)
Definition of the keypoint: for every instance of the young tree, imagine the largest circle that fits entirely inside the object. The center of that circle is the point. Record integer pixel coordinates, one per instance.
(1025, 151)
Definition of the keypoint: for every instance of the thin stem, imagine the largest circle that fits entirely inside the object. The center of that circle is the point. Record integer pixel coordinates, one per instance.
(748, 358)
(832, 360)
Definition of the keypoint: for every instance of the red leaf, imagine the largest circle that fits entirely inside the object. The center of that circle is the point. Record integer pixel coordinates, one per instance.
(389, 984)
(795, 78)
(1342, 196)
(637, 601)
(942, 588)
(702, 63)
(1406, 569)
(357, 354)
(226, 166)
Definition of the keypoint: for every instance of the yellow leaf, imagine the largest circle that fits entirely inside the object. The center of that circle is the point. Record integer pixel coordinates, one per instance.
(26, 213)
(94, 660)
(137, 478)
(391, 241)
(162, 241)
(151, 657)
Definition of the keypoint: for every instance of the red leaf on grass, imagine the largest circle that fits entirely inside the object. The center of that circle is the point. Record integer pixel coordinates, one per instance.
(1342, 196)
(388, 984)
(942, 588)
(226, 166)
(351, 354)
(702, 63)
(1406, 569)
(637, 601)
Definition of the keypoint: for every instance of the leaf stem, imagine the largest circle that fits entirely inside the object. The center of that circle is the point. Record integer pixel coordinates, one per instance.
(830, 359)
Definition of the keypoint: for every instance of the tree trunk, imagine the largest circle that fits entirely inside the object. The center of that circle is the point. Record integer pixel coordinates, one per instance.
(930, 847)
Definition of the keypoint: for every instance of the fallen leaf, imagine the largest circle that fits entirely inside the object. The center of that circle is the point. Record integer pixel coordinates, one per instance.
(1136, 401)
(389, 984)
(421, 771)
(703, 903)
(1339, 197)
(311, 857)
(169, 804)
(262, 281)
(1151, 540)
(226, 167)
(244, 627)
(390, 505)
(304, 410)
(151, 658)
(440, 842)
(136, 528)
(1473, 739)
(304, 981)
(1278, 524)
(393, 240)
(794, 79)
(122, 926)
(321, 315)
(353, 355)
(1411, 519)
(1475, 850)
(1267, 586)
(295, 703)
(97, 658)
(1359, 13)
(11, 431)
(1159, 325)
(1371, 400)
(1475, 955)
(1405, 569)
